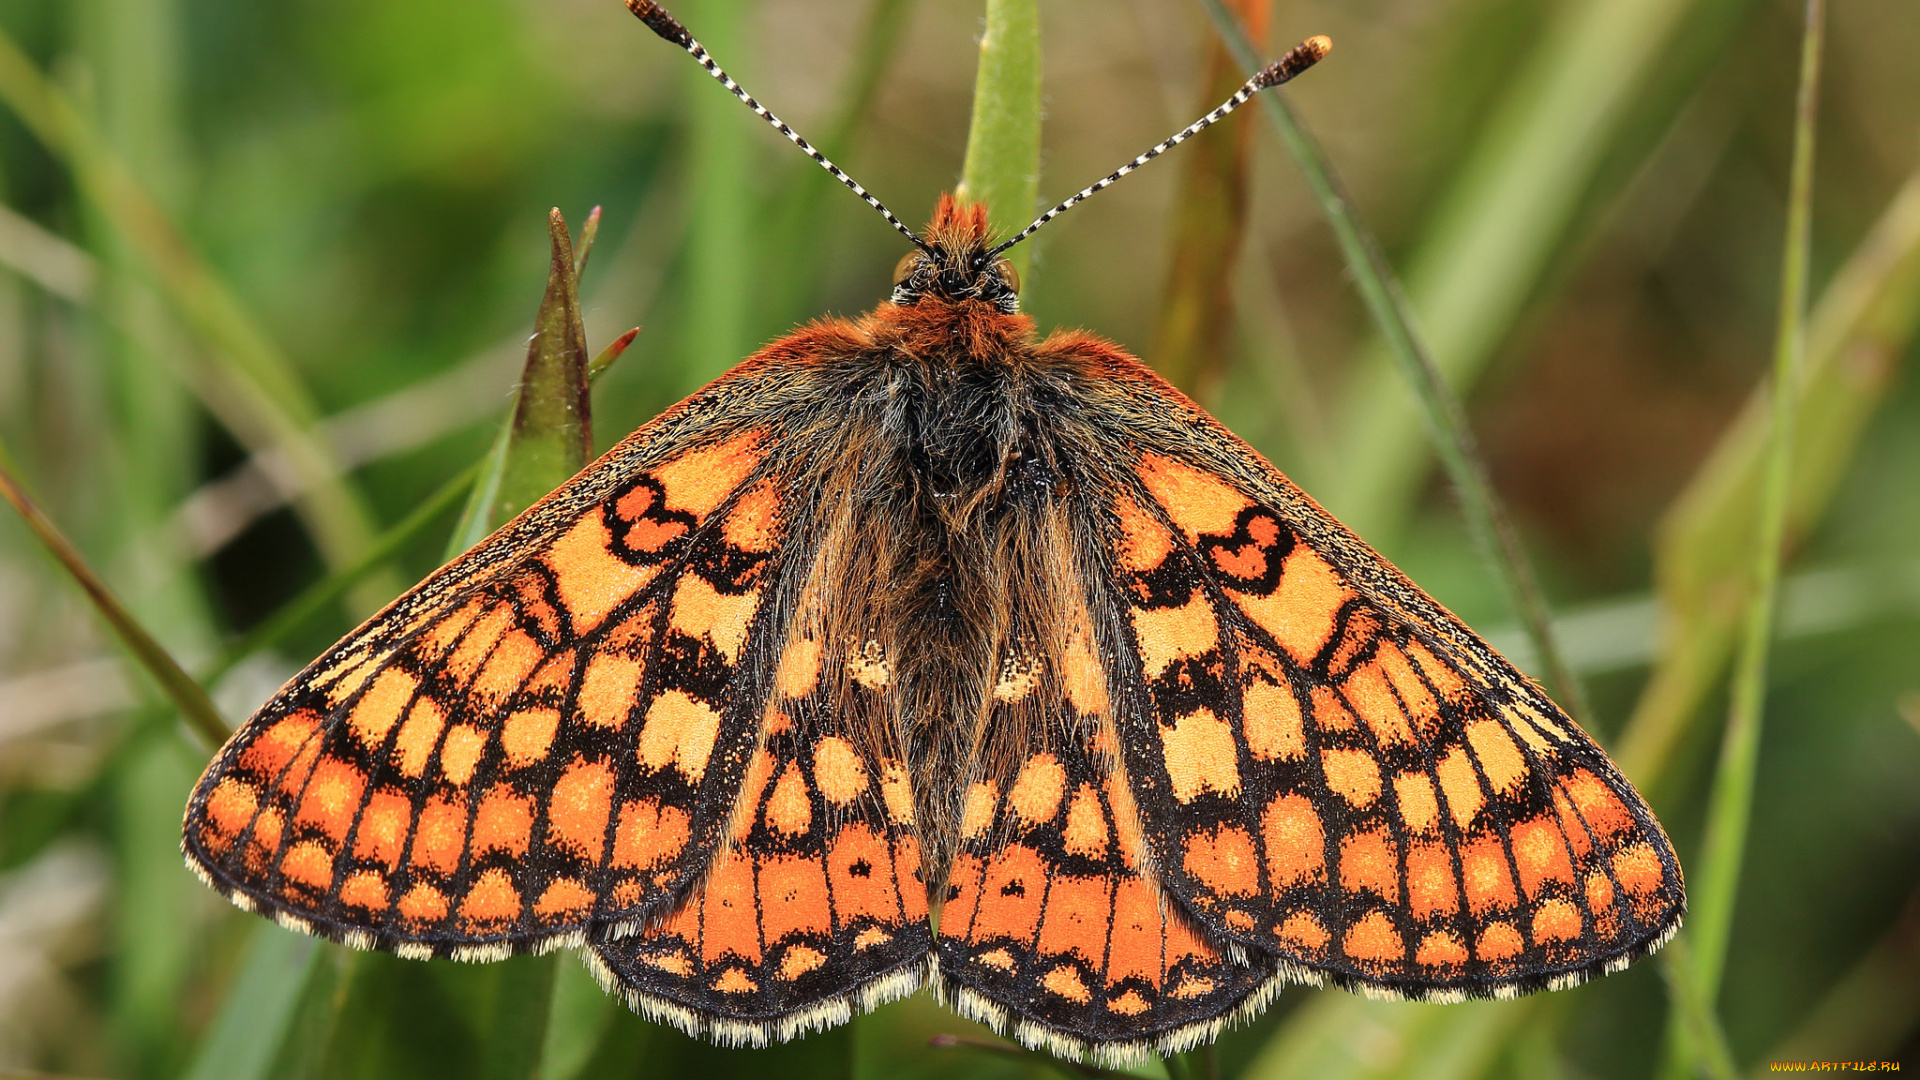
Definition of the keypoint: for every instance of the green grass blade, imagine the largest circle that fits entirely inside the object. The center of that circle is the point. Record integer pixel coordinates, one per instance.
(1002, 166)
(1730, 805)
(259, 1009)
(260, 395)
(1444, 416)
(194, 705)
(721, 260)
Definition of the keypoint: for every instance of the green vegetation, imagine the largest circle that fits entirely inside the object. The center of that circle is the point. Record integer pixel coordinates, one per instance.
(267, 274)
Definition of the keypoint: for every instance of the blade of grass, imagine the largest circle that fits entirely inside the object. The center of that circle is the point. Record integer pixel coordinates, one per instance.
(252, 386)
(194, 705)
(721, 258)
(1441, 411)
(259, 1008)
(1002, 167)
(1857, 336)
(1730, 803)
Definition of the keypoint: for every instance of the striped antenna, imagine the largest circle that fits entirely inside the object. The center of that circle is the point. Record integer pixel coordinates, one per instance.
(661, 22)
(1298, 59)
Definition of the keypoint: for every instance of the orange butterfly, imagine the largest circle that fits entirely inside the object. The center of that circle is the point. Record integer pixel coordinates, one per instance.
(918, 649)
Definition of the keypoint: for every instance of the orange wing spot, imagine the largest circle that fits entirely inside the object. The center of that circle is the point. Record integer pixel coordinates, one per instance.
(512, 661)
(698, 482)
(1223, 860)
(868, 666)
(1419, 701)
(607, 689)
(418, 736)
(963, 898)
(727, 908)
(735, 981)
(1499, 755)
(1570, 824)
(799, 960)
(358, 668)
(703, 613)
(365, 890)
(1272, 722)
(793, 897)
(999, 959)
(1441, 949)
(1192, 986)
(1638, 869)
(1600, 902)
(1126, 820)
(380, 707)
(1556, 920)
(295, 778)
(649, 834)
(231, 807)
(1598, 805)
(896, 791)
(1134, 951)
(308, 863)
(382, 832)
(332, 796)
(837, 771)
(1018, 676)
(978, 814)
(491, 901)
(799, 667)
(440, 835)
(1036, 795)
(1198, 502)
(871, 936)
(789, 811)
(502, 822)
(1500, 941)
(1128, 1004)
(679, 731)
(1084, 676)
(754, 522)
(1076, 916)
(759, 775)
(589, 578)
(464, 662)
(1066, 982)
(1443, 677)
(276, 747)
(1169, 635)
(527, 735)
(423, 904)
(1373, 699)
(1200, 756)
(1182, 942)
(1419, 807)
(1484, 865)
(861, 873)
(1540, 854)
(578, 809)
(566, 900)
(1086, 831)
(1296, 842)
(1303, 930)
(1300, 612)
(445, 633)
(674, 962)
(1461, 786)
(1353, 774)
(460, 753)
(267, 829)
(1430, 886)
(1373, 941)
(1144, 543)
(1013, 886)
(1370, 862)
(1328, 712)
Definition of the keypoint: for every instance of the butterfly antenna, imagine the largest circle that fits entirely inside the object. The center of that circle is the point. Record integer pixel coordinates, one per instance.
(1298, 59)
(662, 22)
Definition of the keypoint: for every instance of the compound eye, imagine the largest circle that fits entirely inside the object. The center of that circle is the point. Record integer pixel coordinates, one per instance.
(903, 269)
(1006, 271)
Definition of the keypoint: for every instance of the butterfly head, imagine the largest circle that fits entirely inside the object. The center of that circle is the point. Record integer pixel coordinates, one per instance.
(956, 261)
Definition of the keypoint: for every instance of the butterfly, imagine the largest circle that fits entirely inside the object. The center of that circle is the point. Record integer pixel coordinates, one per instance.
(919, 649)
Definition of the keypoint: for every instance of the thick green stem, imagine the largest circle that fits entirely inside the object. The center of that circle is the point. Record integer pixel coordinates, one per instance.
(1003, 146)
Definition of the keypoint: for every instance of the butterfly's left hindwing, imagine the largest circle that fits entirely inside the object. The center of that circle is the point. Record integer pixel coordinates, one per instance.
(545, 736)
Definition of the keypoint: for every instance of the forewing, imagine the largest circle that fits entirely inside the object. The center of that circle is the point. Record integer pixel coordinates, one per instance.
(1056, 926)
(547, 734)
(1331, 768)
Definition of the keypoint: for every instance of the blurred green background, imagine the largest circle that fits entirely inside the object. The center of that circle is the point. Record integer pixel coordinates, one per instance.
(267, 272)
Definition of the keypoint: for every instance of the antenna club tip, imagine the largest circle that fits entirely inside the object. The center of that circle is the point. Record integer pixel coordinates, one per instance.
(1298, 59)
(660, 21)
